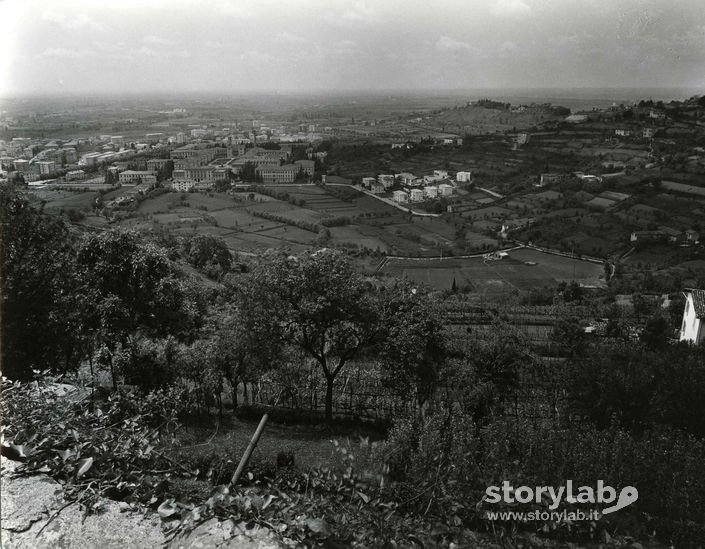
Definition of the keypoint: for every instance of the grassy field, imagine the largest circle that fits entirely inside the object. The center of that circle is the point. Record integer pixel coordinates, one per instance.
(374, 225)
(524, 269)
(56, 200)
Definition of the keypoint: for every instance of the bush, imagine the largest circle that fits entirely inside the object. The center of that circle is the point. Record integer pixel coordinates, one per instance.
(445, 463)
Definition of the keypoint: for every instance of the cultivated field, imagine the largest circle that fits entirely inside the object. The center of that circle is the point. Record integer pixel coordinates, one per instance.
(524, 269)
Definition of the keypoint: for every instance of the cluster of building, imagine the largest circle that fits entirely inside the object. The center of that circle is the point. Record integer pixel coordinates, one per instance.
(201, 166)
(406, 187)
(36, 160)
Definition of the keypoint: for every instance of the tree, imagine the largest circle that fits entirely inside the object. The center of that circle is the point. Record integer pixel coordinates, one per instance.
(656, 332)
(137, 290)
(36, 277)
(412, 346)
(208, 254)
(323, 307)
(166, 171)
(488, 369)
(568, 333)
(238, 329)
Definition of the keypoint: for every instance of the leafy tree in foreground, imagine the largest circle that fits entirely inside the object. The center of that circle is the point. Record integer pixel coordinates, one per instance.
(323, 307)
(413, 346)
(137, 291)
(36, 273)
(246, 338)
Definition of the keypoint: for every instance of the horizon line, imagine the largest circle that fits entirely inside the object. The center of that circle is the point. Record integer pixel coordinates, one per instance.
(347, 92)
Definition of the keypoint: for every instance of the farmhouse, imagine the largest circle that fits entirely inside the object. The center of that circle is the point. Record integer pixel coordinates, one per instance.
(416, 195)
(400, 196)
(368, 181)
(693, 325)
(647, 236)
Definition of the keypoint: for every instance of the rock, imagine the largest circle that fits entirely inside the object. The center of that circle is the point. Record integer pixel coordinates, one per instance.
(29, 503)
(227, 535)
(27, 500)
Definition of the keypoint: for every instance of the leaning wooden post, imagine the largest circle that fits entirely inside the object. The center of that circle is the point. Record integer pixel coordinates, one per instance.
(248, 452)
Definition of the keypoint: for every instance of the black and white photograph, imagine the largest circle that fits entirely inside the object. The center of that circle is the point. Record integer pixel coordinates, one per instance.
(392, 274)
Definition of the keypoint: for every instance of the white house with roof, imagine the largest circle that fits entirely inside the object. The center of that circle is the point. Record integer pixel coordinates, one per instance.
(386, 180)
(406, 178)
(431, 191)
(463, 177)
(693, 325)
(445, 190)
(416, 195)
(400, 196)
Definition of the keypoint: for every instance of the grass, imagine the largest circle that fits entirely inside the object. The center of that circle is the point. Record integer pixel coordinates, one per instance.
(219, 447)
(498, 276)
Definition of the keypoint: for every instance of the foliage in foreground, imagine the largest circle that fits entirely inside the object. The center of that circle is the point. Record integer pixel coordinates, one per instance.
(120, 451)
(445, 462)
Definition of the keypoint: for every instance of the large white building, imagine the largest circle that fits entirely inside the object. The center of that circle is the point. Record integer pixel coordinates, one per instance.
(463, 177)
(285, 173)
(693, 326)
(206, 175)
(416, 195)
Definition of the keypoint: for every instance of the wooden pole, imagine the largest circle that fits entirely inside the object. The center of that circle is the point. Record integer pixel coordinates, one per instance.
(248, 452)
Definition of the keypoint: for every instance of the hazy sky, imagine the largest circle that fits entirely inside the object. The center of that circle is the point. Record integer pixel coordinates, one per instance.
(300, 45)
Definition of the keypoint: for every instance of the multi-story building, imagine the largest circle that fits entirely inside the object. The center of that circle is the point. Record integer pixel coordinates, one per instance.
(133, 177)
(431, 191)
(285, 173)
(377, 188)
(445, 190)
(182, 186)
(463, 177)
(201, 175)
(416, 195)
(155, 164)
(400, 196)
(307, 166)
(386, 180)
(406, 178)
(73, 175)
(46, 167)
(21, 165)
